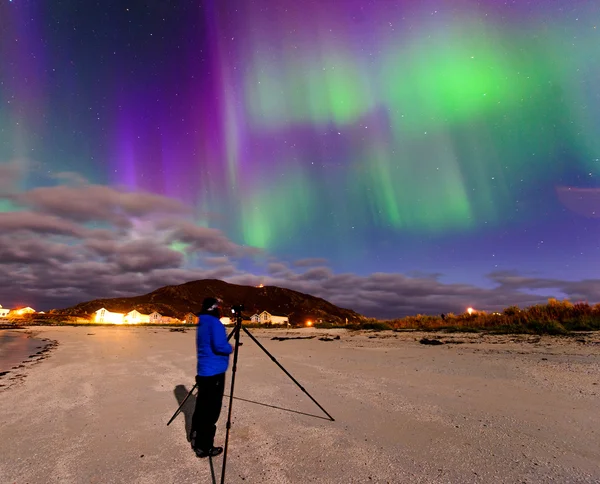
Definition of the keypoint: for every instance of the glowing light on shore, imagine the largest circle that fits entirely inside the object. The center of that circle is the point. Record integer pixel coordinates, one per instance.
(470, 310)
(23, 311)
(309, 323)
(106, 317)
(113, 318)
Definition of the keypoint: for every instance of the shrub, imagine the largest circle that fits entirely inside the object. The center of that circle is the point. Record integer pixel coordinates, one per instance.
(548, 327)
(555, 317)
(512, 311)
(376, 325)
(585, 323)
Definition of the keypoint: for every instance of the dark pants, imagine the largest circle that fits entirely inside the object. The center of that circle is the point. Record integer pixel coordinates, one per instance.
(208, 409)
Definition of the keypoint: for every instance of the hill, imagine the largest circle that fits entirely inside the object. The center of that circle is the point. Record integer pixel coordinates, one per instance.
(179, 300)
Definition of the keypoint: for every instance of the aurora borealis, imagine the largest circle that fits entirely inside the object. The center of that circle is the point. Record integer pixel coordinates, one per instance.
(447, 143)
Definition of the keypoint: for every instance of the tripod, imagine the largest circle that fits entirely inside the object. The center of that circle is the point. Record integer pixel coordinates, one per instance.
(236, 335)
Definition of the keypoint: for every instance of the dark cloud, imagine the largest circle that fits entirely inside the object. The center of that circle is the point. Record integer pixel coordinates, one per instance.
(101, 246)
(38, 223)
(586, 290)
(316, 274)
(513, 279)
(144, 256)
(247, 279)
(165, 277)
(28, 249)
(203, 239)
(45, 286)
(50, 257)
(96, 203)
(279, 269)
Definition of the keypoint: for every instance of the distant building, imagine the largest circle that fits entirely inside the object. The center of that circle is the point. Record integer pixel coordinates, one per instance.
(268, 318)
(105, 316)
(275, 319)
(3, 312)
(135, 317)
(156, 318)
(22, 311)
(191, 318)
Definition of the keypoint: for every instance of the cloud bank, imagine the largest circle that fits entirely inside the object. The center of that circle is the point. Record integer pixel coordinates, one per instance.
(67, 244)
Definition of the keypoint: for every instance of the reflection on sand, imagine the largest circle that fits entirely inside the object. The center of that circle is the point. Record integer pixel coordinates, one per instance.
(16, 347)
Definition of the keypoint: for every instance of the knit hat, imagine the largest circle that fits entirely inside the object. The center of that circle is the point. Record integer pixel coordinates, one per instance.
(211, 306)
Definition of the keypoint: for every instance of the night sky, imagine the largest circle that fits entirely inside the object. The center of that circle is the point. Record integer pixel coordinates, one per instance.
(394, 157)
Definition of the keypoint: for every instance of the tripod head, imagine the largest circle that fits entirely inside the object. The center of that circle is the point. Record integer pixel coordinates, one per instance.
(237, 310)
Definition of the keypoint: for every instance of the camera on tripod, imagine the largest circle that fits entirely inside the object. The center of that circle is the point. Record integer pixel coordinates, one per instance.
(237, 309)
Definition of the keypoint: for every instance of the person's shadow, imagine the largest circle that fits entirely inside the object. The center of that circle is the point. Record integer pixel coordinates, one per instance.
(188, 412)
(188, 409)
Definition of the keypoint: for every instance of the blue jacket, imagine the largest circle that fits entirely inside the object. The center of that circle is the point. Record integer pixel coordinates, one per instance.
(212, 346)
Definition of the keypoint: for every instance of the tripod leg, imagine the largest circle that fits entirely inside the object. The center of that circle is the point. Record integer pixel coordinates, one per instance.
(236, 333)
(285, 371)
(182, 404)
(212, 470)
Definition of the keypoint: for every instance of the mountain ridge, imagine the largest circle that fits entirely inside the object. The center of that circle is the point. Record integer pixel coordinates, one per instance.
(178, 300)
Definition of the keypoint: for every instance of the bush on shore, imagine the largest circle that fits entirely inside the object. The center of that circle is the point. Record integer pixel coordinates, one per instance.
(555, 317)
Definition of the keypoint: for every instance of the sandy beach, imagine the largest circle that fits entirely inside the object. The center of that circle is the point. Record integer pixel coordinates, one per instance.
(497, 409)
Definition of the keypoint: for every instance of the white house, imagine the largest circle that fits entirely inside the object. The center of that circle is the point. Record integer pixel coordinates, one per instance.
(268, 318)
(191, 318)
(279, 319)
(23, 311)
(3, 312)
(155, 318)
(135, 317)
(105, 316)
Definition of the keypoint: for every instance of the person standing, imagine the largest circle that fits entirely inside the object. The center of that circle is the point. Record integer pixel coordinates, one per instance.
(213, 352)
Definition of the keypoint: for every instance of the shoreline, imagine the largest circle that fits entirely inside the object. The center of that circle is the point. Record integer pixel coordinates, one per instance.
(16, 362)
(455, 330)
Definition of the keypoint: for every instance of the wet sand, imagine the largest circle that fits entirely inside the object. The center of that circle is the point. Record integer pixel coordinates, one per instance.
(497, 409)
(16, 346)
